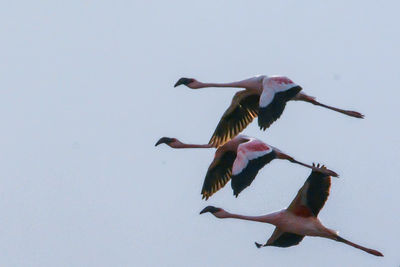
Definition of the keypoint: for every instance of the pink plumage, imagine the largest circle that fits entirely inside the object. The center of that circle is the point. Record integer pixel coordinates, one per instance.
(248, 151)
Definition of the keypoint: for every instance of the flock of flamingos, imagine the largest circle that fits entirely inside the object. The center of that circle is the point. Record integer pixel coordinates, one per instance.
(239, 158)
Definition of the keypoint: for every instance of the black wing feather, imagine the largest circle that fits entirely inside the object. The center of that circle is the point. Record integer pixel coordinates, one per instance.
(318, 191)
(218, 174)
(282, 239)
(287, 240)
(236, 119)
(247, 175)
(272, 112)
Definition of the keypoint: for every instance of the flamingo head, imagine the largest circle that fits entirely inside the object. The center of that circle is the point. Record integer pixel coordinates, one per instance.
(184, 81)
(166, 140)
(210, 209)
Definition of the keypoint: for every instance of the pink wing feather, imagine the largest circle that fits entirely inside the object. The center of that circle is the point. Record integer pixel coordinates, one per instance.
(273, 85)
(277, 91)
(251, 157)
(248, 151)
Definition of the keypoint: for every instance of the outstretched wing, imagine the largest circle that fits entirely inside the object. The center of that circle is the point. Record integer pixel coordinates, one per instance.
(251, 157)
(241, 112)
(219, 172)
(312, 195)
(282, 239)
(277, 91)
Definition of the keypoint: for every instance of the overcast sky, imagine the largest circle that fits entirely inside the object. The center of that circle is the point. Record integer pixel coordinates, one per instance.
(87, 89)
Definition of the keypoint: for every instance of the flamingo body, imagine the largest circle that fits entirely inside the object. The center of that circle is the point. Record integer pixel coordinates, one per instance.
(264, 96)
(300, 219)
(240, 159)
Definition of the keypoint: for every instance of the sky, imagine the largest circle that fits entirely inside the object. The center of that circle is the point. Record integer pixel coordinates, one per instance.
(87, 89)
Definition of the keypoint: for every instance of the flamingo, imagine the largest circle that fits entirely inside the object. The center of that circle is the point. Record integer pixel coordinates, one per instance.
(239, 159)
(264, 96)
(300, 219)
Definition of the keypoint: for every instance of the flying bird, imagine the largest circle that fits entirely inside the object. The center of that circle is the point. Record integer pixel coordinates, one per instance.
(239, 159)
(300, 219)
(264, 96)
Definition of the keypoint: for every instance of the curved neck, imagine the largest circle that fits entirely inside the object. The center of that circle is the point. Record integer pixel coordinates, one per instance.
(271, 218)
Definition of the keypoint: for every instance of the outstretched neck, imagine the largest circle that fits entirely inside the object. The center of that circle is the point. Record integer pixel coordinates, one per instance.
(271, 218)
(183, 145)
(254, 83)
(234, 84)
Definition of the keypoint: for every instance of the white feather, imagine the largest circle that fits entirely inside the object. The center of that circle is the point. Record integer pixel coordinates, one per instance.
(250, 150)
(273, 85)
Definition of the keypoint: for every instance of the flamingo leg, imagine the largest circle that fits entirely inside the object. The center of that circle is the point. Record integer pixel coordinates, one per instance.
(281, 155)
(368, 250)
(310, 99)
(326, 171)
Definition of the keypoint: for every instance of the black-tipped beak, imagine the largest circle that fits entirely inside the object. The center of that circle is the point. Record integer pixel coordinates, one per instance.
(184, 81)
(210, 209)
(178, 83)
(164, 140)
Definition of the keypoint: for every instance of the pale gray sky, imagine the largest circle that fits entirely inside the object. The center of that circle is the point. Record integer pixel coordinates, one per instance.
(87, 89)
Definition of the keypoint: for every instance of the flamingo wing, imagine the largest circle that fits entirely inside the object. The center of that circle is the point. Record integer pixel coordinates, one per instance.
(276, 93)
(251, 157)
(282, 239)
(312, 195)
(219, 172)
(241, 112)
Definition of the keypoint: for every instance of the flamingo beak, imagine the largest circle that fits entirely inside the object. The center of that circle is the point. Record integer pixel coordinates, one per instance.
(210, 209)
(184, 81)
(164, 140)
